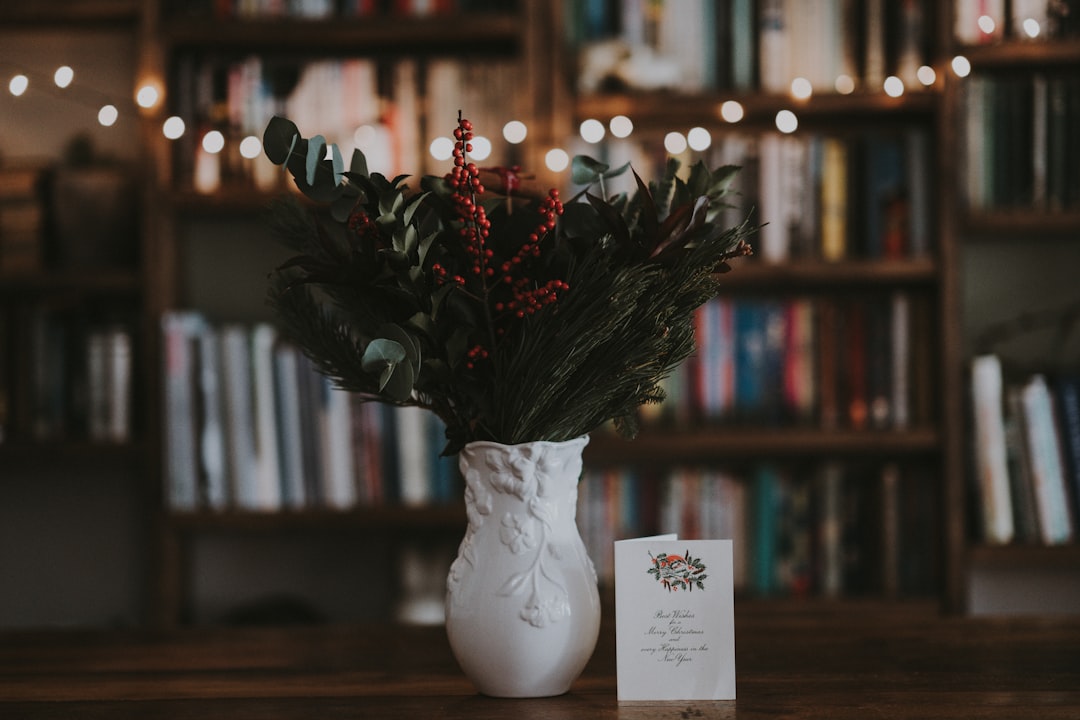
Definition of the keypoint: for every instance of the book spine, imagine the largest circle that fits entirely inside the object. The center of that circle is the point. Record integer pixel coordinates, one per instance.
(990, 449)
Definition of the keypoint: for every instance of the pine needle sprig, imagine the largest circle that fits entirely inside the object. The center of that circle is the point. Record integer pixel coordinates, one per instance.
(391, 301)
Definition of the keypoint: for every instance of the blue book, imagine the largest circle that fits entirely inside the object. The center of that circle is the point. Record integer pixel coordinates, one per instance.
(766, 503)
(750, 318)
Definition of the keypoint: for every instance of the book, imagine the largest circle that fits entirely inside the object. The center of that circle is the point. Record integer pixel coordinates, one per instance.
(1045, 456)
(991, 465)
(335, 431)
(180, 454)
(1021, 487)
(266, 414)
(239, 416)
(288, 425)
(1067, 404)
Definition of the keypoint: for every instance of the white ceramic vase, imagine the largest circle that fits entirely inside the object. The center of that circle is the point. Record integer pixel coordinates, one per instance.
(522, 607)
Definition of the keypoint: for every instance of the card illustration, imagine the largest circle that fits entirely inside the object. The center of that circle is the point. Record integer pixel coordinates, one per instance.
(678, 572)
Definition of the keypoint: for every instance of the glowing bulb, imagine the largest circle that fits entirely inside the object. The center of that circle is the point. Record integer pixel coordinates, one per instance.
(986, 24)
(801, 89)
(18, 85)
(365, 136)
(441, 148)
(926, 75)
(731, 111)
(481, 148)
(63, 76)
(1031, 28)
(675, 143)
(961, 66)
(786, 122)
(894, 86)
(173, 128)
(250, 147)
(592, 131)
(514, 132)
(699, 139)
(556, 160)
(147, 96)
(845, 84)
(621, 126)
(107, 115)
(213, 142)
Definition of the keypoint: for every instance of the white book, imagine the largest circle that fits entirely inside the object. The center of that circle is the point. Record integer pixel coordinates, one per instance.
(773, 238)
(991, 462)
(339, 482)
(414, 451)
(267, 470)
(211, 431)
(1047, 467)
(118, 384)
(239, 416)
(773, 45)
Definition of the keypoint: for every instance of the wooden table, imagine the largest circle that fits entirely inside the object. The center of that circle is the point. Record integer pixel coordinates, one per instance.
(794, 660)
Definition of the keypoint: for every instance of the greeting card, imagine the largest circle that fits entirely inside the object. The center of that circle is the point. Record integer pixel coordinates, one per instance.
(674, 619)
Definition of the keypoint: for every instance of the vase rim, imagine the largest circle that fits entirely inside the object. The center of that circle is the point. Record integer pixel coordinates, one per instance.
(583, 440)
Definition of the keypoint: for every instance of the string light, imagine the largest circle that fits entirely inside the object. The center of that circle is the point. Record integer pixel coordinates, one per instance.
(801, 89)
(926, 75)
(515, 131)
(18, 84)
(961, 66)
(213, 142)
(845, 84)
(108, 115)
(786, 122)
(556, 160)
(699, 139)
(63, 76)
(441, 148)
(147, 96)
(250, 147)
(1031, 27)
(675, 143)
(621, 126)
(894, 86)
(731, 111)
(481, 148)
(592, 130)
(173, 128)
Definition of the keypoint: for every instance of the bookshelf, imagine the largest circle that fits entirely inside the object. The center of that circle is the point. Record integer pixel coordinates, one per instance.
(929, 449)
(73, 315)
(1028, 226)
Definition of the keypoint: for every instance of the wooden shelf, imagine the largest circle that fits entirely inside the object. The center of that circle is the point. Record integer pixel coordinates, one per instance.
(480, 33)
(1026, 556)
(68, 452)
(68, 13)
(802, 275)
(1008, 223)
(666, 111)
(383, 518)
(107, 281)
(1022, 55)
(720, 444)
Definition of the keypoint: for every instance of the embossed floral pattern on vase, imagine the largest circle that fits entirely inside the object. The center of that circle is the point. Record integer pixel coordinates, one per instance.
(522, 604)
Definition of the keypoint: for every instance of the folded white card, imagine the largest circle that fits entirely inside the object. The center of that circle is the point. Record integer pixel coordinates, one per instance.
(674, 619)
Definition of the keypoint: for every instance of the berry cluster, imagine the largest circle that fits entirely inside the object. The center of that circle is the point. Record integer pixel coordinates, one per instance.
(513, 294)
(364, 228)
(465, 180)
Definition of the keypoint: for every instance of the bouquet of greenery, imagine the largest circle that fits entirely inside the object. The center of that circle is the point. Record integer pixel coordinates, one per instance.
(514, 318)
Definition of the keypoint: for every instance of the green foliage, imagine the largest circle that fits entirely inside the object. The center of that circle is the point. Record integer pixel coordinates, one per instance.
(370, 293)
